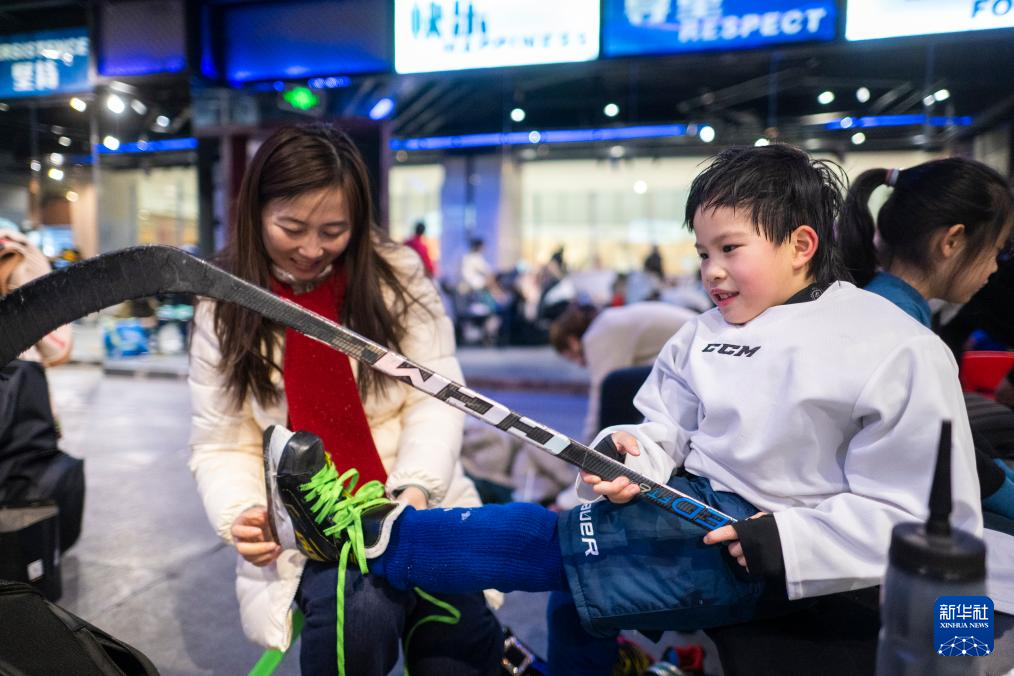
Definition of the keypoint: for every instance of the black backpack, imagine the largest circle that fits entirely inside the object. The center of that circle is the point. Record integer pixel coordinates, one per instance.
(41, 638)
(32, 468)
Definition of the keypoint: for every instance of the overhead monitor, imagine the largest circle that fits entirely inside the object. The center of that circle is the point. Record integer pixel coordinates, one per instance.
(303, 38)
(44, 63)
(141, 37)
(632, 27)
(873, 19)
(440, 35)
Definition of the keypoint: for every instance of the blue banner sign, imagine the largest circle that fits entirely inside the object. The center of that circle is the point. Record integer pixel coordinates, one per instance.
(49, 62)
(672, 26)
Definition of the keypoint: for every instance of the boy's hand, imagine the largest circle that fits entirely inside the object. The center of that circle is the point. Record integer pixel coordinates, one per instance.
(253, 537)
(728, 534)
(619, 490)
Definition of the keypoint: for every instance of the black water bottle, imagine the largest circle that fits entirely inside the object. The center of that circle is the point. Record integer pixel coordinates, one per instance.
(928, 561)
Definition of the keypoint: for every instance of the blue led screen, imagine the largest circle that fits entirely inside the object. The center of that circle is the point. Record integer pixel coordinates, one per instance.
(632, 27)
(142, 37)
(285, 40)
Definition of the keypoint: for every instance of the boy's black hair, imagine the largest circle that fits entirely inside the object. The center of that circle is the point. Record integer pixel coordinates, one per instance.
(782, 188)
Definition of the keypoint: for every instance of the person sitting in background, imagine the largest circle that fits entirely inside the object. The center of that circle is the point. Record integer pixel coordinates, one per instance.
(653, 263)
(418, 244)
(21, 262)
(614, 338)
(938, 235)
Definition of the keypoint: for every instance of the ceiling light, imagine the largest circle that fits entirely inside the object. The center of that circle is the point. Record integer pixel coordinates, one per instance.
(518, 115)
(706, 133)
(64, 141)
(139, 107)
(162, 121)
(761, 142)
(111, 142)
(55, 174)
(941, 95)
(616, 152)
(858, 138)
(825, 97)
(35, 165)
(381, 109)
(862, 95)
(534, 137)
(78, 104)
(640, 187)
(71, 196)
(611, 110)
(56, 159)
(928, 100)
(115, 104)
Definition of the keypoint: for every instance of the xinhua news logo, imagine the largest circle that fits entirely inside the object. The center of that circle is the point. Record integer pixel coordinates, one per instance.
(964, 626)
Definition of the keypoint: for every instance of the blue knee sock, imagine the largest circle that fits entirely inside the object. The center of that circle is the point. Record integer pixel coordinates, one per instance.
(455, 551)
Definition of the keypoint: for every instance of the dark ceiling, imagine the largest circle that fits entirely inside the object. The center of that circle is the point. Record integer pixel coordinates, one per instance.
(743, 95)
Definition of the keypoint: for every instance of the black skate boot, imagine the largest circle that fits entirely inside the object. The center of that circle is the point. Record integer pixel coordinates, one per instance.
(313, 509)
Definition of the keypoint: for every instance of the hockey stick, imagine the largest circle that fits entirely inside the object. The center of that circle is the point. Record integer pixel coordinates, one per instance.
(30, 312)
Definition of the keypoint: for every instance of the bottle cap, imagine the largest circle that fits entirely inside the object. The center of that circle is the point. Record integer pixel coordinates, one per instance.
(956, 557)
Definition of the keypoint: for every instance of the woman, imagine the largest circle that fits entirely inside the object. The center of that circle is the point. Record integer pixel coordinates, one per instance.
(305, 229)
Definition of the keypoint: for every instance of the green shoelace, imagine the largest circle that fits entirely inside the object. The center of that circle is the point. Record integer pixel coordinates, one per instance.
(336, 499)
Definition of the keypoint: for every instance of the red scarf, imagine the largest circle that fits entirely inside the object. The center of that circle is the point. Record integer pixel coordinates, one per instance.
(321, 390)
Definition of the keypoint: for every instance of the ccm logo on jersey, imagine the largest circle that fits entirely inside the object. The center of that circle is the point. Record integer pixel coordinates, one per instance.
(731, 350)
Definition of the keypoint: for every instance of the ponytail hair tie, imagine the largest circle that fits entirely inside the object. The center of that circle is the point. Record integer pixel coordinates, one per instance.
(892, 176)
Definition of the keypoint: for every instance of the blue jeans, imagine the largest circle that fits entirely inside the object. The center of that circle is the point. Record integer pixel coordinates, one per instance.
(378, 616)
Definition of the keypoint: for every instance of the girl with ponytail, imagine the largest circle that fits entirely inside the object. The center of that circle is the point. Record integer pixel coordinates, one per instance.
(938, 235)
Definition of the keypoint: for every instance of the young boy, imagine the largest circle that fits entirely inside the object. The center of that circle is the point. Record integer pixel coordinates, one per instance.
(800, 400)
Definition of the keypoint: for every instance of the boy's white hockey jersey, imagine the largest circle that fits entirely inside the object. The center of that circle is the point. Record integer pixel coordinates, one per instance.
(826, 413)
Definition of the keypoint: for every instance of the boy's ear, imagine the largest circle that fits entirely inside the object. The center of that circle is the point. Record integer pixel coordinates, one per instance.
(804, 243)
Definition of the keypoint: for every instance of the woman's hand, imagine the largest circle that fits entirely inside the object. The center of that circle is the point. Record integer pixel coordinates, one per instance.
(253, 537)
(619, 490)
(413, 496)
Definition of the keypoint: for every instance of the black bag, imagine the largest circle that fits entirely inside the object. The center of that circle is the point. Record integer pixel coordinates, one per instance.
(29, 546)
(42, 638)
(31, 466)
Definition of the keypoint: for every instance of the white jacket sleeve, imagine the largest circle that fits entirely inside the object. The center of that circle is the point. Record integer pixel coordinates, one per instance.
(225, 441)
(842, 542)
(670, 411)
(430, 442)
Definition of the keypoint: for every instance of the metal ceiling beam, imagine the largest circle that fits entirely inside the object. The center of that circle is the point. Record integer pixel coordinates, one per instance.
(419, 103)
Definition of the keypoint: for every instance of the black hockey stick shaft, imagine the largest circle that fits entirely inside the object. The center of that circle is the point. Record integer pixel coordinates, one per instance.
(30, 312)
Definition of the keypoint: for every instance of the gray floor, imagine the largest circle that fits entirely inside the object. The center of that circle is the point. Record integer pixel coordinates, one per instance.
(148, 567)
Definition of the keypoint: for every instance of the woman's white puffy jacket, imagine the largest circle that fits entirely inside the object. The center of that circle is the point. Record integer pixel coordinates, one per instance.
(418, 439)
